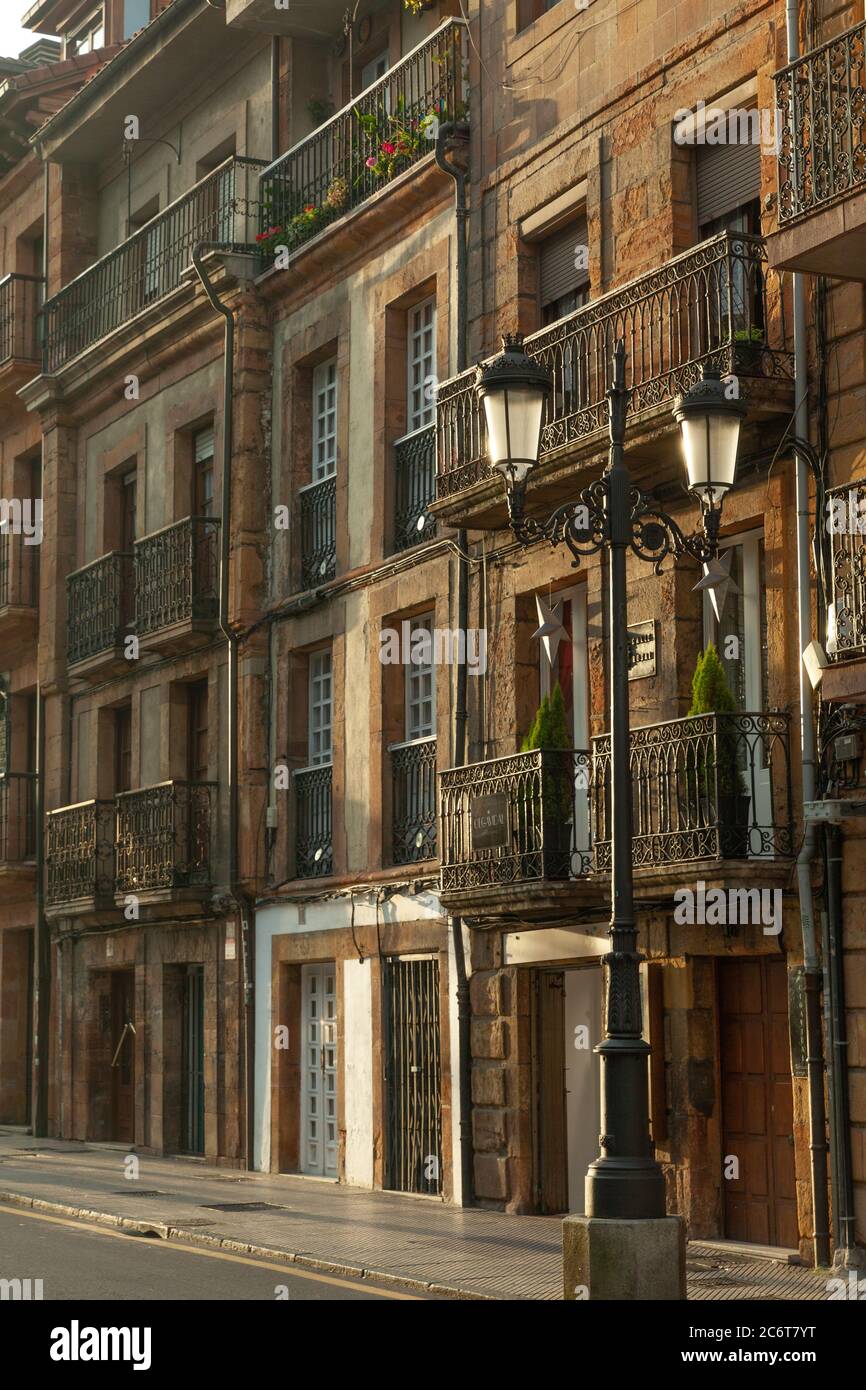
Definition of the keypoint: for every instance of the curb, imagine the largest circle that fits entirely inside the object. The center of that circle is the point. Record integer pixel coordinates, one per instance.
(177, 1233)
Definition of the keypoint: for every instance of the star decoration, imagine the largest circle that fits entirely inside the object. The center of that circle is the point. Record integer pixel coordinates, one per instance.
(717, 579)
(550, 628)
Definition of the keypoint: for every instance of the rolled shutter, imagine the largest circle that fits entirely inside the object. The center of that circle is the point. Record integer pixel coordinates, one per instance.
(557, 271)
(204, 444)
(728, 176)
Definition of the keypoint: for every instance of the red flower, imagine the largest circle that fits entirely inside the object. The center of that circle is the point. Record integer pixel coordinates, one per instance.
(388, 147)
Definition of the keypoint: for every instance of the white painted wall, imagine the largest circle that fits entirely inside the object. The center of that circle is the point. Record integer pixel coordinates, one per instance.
(358, 1071)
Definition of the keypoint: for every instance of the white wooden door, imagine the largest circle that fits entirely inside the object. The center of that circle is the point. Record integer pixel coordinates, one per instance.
(319, 1086)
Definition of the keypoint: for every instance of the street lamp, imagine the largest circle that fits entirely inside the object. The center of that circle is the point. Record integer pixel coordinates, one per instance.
(625, 1182)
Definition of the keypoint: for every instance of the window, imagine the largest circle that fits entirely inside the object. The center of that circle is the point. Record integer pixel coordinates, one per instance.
(728, 179)
(421, 364)
(319, 752)
(89, 37)
(197, 732)
(325, 421)
(136, 13)
(128, 510)
(530, 10)
(123, 749)
(563, 271)
(376, 68)
(421, 682)
(202, 452)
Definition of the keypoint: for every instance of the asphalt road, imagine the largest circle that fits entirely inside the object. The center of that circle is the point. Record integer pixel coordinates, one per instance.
(78, 1261)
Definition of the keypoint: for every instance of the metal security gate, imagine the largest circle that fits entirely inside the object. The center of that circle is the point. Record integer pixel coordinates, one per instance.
(193, 1060)
(412, 1062)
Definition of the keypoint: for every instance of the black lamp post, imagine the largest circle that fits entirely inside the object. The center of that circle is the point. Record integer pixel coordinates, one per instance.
(625, 1181)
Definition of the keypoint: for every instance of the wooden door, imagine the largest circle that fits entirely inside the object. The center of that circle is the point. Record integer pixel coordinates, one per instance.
(551, 1146)
(123, 1056)
(757, 1106)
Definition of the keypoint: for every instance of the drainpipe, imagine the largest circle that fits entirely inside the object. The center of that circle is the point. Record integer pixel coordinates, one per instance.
(42, 952)
(275, 97)
(812, 966)
(239, 898)
(460, 702)
(846, 1253)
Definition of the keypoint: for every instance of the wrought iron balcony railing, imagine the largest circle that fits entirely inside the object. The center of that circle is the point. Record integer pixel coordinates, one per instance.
(19, 571)
(318, 532)
(821, 108)
(150, 264)
(710, 305)
(314, 851)
(17, 817)
(164, 837)
(100, 606)
(177, 575)
(846, 523)
(385, 130)
(414, 487)
(517, 819)
(711, 786)
(20, 301)
(79, 853)
(413, 817)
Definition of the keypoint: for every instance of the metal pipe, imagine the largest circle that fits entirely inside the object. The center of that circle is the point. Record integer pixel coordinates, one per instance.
(42, 952)
(464, 1017)
(846, 1252)
(232, 650)
(275, 96)
(814, 1041)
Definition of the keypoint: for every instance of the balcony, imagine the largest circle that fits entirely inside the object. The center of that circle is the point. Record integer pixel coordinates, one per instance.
(177, 585)
(314, 851)
(79, 855)
(100, 606)
(845, 678)
(151, 264)
(413, 800)
(711, 795)
(324, 20)
(20, 350)
(822, 160)
(716, 304)
(414, 487)
(515, 836)
(164, 840)
(342, 165)
(318, 532)
(19, 587)
(17, 829)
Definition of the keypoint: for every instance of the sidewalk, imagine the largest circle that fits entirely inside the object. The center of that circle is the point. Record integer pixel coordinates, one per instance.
(414, 1241)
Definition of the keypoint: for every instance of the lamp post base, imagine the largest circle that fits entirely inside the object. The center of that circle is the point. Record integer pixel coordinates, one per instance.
(623, 1261)
(625, 1189)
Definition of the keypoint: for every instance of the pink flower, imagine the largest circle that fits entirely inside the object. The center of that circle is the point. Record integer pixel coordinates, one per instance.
(388, 147)
(371, 163)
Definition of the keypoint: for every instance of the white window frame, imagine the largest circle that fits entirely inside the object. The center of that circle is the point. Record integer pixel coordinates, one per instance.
(93, 25)
(320, 709)
(369, 75)
(324, 463)
(579, 701)
(417, 673)
(420, 363)
(200, 456)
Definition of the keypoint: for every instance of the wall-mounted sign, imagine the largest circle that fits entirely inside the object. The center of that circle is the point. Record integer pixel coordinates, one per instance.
(490, 821)
(797, 1021)
(641, 650)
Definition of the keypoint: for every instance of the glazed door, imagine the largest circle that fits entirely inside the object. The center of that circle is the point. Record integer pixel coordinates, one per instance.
(123, 1056)
(570, 670)
(757, 1106)
(319, 1088)
(412, 1074)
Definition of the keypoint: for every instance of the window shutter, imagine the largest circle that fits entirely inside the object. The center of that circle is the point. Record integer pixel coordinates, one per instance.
(204, 444)
(727, 176)
(557, 273)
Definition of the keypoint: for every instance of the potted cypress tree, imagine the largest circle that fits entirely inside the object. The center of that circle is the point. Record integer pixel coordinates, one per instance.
(551, 808)
(713, 778)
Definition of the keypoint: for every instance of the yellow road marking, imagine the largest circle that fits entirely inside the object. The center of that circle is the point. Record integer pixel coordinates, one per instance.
(83, 1224)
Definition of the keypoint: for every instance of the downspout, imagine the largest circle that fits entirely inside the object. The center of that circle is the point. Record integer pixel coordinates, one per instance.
(239, 898)
(460, 701)
(275, 97)
(42, 952)
(846, 1253)
(811, 963)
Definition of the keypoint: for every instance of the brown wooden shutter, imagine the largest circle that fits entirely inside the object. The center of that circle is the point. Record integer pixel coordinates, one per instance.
(557, 272)
(656, 1010)
(728, 176)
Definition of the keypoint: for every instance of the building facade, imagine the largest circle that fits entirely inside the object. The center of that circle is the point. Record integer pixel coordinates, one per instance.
(322, 752)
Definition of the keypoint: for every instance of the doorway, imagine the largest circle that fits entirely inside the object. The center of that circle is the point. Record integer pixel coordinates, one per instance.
(760, 1202)
(413, 1154)
(319, 1069)
(192, 1134)
(568, 1008)
(123, 1056)
(569, 669)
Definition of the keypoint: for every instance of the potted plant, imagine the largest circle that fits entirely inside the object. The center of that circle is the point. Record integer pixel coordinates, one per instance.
(550, 808)
(749, 347)
(713, 778)
(319, 109)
